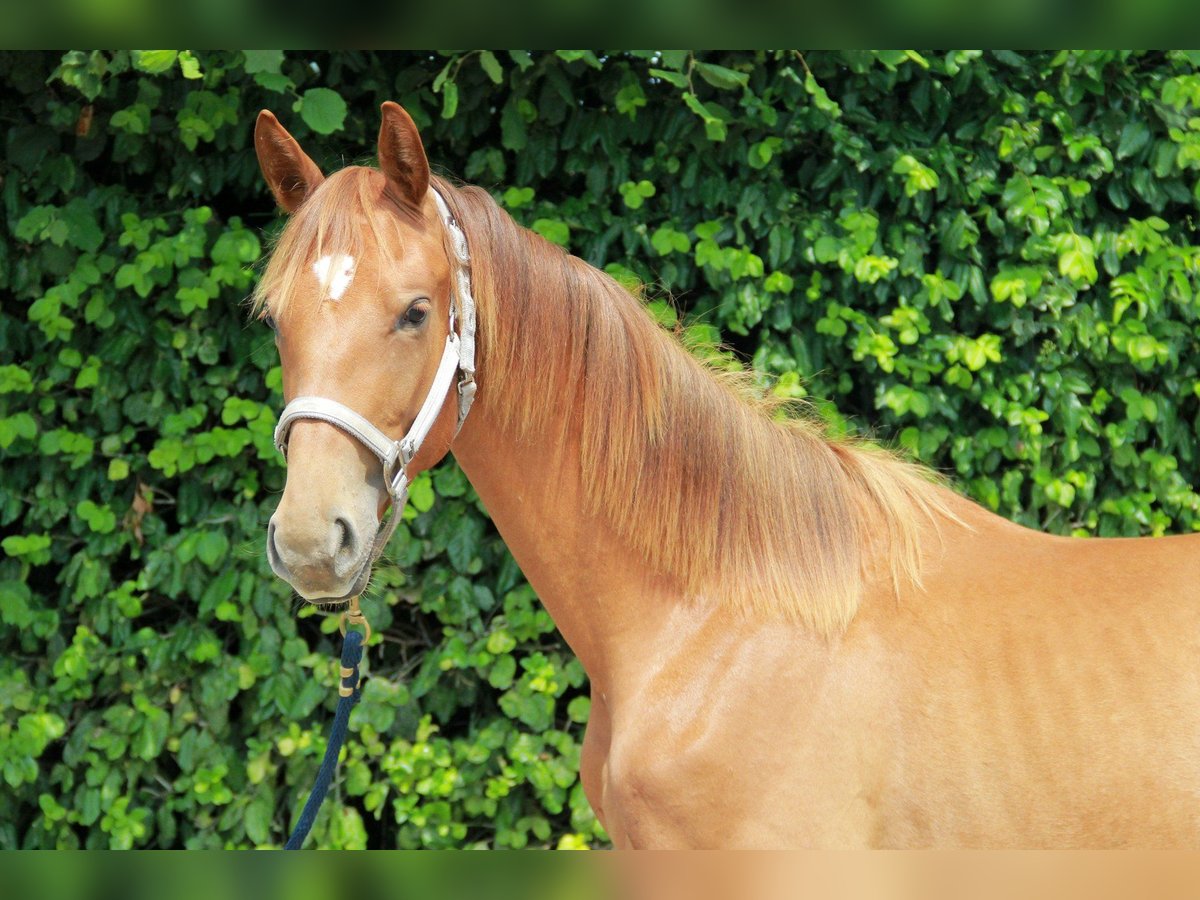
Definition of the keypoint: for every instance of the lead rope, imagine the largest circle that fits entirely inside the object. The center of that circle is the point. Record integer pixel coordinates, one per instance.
(348, 694)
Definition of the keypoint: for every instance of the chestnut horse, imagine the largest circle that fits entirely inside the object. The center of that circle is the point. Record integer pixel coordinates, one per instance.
(792, 641)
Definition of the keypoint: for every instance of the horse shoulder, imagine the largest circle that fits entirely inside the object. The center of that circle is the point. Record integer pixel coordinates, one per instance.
(748, 735)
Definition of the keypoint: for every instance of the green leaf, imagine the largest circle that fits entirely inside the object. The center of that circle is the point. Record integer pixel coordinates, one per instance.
(721, 77)
(674, 59)
(258, 820)
(33, 547)
(820, 98)
(630, 98)
(14, 379)
(674, 78)
(515, 198)
(420, 492)
(586, 56)
(714, 127)
(273, 81)
(501, 675)
(83, 71)
(51, 809)
(919, 177)
(553, 230)
(513, 132)
(635, 194)
(463, 544)
(449, 100)
(779, 283)
(323, 110)
(154, 62)
(211, 547)
(189, 65)
(149, 741)
(491, 66)
(667, 240)
(22, 425)
(1061, 492)
(579, 709)
(15, 597)
(265, 61)
(100, 519)
(82, 229)
(1134, 136)
(500, 642)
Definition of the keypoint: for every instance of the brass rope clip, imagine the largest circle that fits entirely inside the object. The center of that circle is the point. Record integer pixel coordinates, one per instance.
(352, 616)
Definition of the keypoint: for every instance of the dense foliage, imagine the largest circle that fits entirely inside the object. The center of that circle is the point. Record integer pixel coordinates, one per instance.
(985, 257)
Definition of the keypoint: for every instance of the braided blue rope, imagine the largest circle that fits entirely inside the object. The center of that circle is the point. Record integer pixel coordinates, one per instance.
(351, 657)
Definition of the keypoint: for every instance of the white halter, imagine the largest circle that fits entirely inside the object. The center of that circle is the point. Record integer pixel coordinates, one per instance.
(458, 357)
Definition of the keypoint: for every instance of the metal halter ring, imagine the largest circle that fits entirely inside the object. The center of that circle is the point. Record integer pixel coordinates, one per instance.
(354, 616)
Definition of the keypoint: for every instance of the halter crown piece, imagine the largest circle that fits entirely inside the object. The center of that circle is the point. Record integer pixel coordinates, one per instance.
(458, 358)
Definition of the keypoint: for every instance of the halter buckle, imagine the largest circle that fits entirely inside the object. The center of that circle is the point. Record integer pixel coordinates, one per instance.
(395, 471)
(408, 450)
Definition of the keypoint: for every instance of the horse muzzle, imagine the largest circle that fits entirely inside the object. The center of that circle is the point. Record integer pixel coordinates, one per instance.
(323, 561)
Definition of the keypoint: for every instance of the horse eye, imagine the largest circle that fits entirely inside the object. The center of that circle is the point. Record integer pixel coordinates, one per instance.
(415, 315)
(269, 322)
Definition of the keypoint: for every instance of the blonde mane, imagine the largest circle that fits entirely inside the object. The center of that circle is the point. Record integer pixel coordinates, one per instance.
(691, 465)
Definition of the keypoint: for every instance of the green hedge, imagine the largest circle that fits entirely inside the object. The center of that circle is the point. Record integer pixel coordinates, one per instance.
(985, 257)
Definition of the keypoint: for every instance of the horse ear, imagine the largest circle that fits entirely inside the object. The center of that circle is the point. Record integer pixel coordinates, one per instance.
(290, 174)
(401, 156)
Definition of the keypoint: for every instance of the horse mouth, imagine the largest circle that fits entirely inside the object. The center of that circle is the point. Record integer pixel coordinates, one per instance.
(361, 580)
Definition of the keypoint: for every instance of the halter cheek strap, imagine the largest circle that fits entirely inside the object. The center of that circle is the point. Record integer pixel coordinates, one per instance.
(458, 357)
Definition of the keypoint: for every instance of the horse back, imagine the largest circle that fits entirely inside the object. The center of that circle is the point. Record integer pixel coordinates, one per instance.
(1047, 691)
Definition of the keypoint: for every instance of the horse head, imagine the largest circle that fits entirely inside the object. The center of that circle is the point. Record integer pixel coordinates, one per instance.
(361, 293)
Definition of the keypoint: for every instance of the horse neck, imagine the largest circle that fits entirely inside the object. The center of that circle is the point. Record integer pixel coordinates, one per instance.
(595, 442)
(599, 593)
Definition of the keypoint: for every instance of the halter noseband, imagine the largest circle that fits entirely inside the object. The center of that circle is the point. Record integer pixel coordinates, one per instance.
(458, 357)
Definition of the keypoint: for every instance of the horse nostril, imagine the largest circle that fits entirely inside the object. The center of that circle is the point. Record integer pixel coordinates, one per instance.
(346, 540)
(272, 550)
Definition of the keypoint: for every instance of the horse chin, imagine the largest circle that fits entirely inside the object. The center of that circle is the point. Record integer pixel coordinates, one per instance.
(324, 597)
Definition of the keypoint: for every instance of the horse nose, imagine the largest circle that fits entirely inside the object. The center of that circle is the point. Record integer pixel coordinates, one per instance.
(335, 548)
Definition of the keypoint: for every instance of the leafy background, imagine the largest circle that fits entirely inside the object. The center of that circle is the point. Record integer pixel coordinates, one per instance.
(986, 258)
